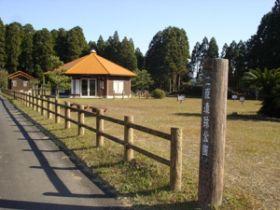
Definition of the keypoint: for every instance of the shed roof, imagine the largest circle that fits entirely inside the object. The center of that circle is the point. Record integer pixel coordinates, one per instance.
(94, 64)
(20, 73)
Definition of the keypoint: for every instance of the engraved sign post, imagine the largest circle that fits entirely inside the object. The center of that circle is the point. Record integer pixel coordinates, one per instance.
(213, 130)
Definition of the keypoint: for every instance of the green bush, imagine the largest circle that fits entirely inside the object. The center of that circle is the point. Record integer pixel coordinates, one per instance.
(158, 93)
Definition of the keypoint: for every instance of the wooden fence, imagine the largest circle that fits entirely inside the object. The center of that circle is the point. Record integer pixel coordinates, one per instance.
(44, 106)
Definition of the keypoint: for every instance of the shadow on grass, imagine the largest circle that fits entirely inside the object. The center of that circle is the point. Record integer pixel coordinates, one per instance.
(236, 116)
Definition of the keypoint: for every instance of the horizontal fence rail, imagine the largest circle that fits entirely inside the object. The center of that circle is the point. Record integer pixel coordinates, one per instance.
(52, 109)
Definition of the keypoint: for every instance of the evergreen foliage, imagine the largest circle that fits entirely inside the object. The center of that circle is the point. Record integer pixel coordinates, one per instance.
(167, 58)
(3, 79)
(140, 59)
(26, 57)
(13, 44)
(264, 46)
(2, 45)
(43, 49)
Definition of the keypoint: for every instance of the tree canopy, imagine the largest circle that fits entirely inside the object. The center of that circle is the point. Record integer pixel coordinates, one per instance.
(167, 58)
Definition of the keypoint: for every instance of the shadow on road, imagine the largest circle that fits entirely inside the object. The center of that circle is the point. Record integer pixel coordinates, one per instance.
(44, 164)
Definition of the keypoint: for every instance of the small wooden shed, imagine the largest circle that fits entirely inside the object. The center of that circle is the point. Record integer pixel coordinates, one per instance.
(20, 81)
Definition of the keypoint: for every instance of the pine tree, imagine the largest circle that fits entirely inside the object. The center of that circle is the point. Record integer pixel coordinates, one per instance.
(167, 58)
(101, 46)
(213, 50)
(26, 56)
(264, 46)
(2, 45)
(43, 49)
(76, 44)
(60, 44)
(194, 63)
(140, 58)
(224, 50)
(127, 56)
(113, 48)
(202, 54)
(13, 42)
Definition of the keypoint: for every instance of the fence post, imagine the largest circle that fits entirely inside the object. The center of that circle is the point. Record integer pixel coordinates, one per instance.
(37, 103)
(25, 99)
(57, 111)
(42, 105)
(128, 138)
(15, 95)
(99, 128)
(49, 109)
(67, 114)
(81, 120)
(176, 159)
(32, 101)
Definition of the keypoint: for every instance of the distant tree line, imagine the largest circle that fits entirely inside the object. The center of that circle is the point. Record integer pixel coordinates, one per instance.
(167, 64)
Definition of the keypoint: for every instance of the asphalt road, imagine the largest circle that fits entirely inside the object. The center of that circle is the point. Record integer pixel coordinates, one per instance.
(35, 174)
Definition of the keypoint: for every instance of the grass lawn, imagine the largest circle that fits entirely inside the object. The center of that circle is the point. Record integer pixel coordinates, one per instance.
(252, 170)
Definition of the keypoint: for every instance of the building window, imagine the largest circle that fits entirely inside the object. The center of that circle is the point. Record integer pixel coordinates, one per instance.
(14, 82)
(25, 83)
(118, 86)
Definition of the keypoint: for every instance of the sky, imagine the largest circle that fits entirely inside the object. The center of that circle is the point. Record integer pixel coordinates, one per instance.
(140, 20)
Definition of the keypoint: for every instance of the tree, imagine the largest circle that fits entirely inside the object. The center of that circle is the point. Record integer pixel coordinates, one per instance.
(43, 49)
(202, 54)
(268, 83)
(2, 45)
(58, 80)
(140, 58)
(26, 57)
(167, 58)
(112, 49)
(264, 46)
(224, 50)
(76, 44)
(142, 81)
(213, 50)
(3, 79)
(101, 46)
(60, 44)
(127, 57)
(13, 43)
(237, 55)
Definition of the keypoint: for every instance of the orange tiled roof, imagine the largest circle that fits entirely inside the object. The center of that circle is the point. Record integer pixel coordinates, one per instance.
(95, 65)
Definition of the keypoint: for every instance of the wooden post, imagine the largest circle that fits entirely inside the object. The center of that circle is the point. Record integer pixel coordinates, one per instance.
(176, 159)
(57, 111)
(35, 103)
(25, 99)
(213, 131)
(15, 95)
(32, 101)
(38, 103)
(49, 109)
(67, 114)
(42, 105)
(128, 138)
(99, 128)
(81, 120)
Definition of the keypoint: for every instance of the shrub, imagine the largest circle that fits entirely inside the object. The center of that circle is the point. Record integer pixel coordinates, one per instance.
(3, 79)
(158, 93)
